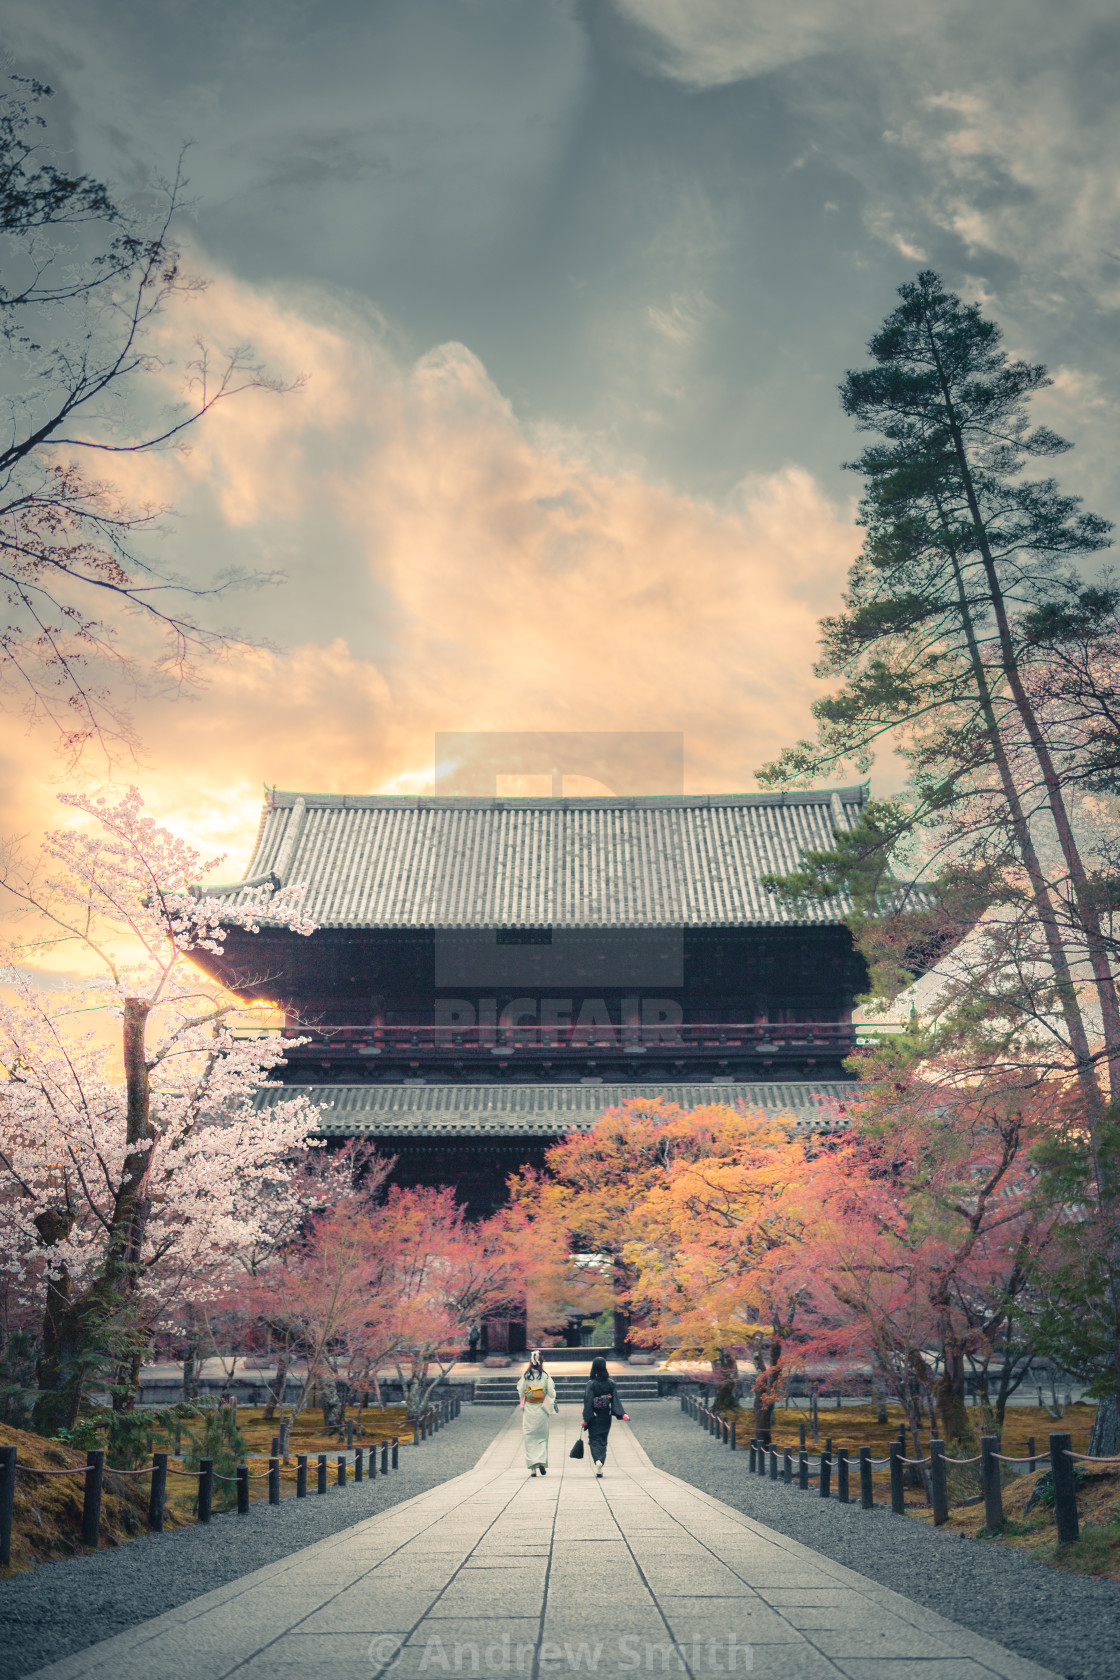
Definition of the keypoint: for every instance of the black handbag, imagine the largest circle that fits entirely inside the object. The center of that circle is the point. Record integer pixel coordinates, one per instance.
(577, 1450)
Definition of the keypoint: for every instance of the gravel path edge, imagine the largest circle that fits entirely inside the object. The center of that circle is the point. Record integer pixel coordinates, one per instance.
(1065, 1622)
(63, 1607)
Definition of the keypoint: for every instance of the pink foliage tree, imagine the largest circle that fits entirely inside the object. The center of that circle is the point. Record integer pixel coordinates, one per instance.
(393, 1282)
(928, 1234)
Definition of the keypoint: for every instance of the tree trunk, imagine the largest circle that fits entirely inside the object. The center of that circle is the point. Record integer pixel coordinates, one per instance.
(190, 1368)
(767, 1384)
(725, 1374)
(1104, 1442)
(950, 1399)
(1088, 914)
(329, 1400)
(276, 1394)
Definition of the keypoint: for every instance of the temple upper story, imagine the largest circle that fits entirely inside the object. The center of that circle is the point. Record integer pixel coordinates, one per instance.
(467, 938)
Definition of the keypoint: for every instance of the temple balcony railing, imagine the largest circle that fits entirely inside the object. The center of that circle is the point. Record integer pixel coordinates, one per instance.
(687, 1041)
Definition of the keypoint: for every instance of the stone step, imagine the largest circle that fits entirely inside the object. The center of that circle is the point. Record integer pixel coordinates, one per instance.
(572, 1384)
(502, 1391)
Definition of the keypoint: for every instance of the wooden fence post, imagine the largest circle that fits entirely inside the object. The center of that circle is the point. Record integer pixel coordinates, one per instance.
(384, 1450)
(787, 1467)
(205, 1488)
(990, 1482)
(898, 1492)
(842, 1475)
(732, 1443)
(938, 1486)
(1030, 1452)
(340, 1475)
(243, 1490)
(1065, 1488)
(825, 1482)
(157, 1497)
(8, 1460)
(321, 1476)
(359, 1465)
(274, 1479)
(866, 1485)
(301, 1475)
(91, 1500)
(803, 1470)
(773, 1462)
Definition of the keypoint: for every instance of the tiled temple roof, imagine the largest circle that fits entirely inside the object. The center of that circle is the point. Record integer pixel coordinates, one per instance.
(546, 1110)
(681, 861)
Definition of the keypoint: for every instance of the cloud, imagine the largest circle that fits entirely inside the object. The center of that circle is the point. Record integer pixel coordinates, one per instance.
(990, 124)
(708, 43)
(468, 570)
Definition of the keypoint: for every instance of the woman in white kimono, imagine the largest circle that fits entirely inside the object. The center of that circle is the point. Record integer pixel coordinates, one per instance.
(537, 1393)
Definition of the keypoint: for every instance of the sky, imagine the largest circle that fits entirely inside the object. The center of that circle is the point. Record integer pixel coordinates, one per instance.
(568, 290)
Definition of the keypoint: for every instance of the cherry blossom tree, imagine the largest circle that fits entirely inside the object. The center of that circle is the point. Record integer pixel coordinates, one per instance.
(129, 1169)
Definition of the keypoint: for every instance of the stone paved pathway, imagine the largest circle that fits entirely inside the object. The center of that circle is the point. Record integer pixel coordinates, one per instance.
(496, 1573)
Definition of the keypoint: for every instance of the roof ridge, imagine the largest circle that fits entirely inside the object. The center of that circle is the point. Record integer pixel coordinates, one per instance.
(854, 794)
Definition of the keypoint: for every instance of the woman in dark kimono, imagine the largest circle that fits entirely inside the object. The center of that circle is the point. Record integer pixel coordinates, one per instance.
(600, 1405)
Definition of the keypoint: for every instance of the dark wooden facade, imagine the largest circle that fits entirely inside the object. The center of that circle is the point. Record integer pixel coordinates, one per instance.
(536, 949)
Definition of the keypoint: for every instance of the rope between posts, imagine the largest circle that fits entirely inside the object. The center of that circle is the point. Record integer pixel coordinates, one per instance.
(1005, 1459)
(902, 1460)
(975, 1460)
(1085, 1458)
(32, 1470)
(80, 1470)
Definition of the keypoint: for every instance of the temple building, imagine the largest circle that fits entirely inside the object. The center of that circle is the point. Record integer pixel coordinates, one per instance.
(488, 974)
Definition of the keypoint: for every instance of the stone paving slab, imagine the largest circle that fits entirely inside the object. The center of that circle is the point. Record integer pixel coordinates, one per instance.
(496, 1573)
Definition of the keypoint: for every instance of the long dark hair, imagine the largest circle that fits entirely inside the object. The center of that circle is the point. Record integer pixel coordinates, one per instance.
(599, 1376)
